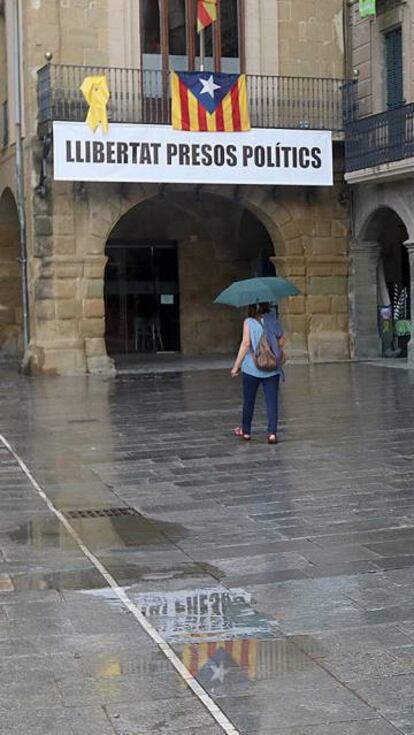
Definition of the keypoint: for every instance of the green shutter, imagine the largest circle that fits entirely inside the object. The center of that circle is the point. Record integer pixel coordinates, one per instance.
(367, 7)
(394, 68)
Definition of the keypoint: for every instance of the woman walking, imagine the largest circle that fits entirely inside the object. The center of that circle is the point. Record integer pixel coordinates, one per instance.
(260, 321)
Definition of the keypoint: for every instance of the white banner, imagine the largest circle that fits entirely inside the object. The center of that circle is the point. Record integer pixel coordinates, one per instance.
(157, 153)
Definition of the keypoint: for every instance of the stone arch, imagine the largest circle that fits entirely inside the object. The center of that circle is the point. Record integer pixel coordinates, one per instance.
(204, 226)
(275, 216)
(382, 231)
(277, 219)
(11, 342)
(368, 212)
(105, 206)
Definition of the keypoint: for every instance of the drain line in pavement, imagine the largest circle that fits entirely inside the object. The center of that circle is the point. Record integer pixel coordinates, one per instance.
(185, 674)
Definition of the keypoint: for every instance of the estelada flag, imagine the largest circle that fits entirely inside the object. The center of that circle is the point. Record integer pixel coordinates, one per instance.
(206, 13)
(241, 654)
(207, 101)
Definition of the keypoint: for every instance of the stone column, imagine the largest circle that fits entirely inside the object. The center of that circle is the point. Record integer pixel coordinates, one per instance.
(293, 311)
(410, 247)
(68, 329)
(363, 299)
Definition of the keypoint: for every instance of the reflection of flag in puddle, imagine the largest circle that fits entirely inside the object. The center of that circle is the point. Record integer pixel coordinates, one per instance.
(216, 664)
(255, 659)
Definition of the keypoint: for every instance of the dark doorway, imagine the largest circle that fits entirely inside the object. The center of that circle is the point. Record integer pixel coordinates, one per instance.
(142, 297)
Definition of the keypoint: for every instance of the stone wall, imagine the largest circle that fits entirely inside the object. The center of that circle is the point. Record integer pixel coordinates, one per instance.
(314, 255)
(368, 57)
(311, 38)
(295, 37)
(206, 327)
(309, 234)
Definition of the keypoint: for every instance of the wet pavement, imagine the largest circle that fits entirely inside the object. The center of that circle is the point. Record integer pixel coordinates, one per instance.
(282, 577)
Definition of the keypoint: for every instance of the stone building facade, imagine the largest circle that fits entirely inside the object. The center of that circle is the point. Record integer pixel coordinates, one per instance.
(220, 232)
(379, 163)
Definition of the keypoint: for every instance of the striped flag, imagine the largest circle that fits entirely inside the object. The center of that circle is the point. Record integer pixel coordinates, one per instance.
(206, 13)
(206, 101)
(200, 657)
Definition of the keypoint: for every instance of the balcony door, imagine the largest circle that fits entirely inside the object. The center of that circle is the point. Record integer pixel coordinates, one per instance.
(170, 40)
(394, 69)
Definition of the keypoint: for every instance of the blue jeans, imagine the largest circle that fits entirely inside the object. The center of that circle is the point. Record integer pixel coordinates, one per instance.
(271, 394)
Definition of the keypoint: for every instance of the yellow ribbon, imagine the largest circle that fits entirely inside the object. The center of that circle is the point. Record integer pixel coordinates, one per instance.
(96, 92)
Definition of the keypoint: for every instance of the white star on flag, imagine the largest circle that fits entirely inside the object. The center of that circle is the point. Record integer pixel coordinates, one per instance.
(219, 672)
(209, 86)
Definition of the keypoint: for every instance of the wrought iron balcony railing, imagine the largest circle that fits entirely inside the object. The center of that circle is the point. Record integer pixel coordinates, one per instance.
(377, 139)
(141, 96)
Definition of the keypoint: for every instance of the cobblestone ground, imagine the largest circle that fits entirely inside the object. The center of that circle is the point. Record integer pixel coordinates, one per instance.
(282, 576)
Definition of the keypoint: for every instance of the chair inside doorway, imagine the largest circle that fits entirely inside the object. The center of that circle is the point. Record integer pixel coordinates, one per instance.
(142, 297)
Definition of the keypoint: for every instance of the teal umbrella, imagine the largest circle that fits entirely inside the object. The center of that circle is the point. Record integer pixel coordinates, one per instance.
(257, 291)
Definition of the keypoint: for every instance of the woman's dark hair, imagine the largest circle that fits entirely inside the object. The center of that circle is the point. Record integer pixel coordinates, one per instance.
(255, 311)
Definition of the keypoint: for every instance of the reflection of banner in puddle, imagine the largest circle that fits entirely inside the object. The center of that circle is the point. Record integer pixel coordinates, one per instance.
(207, 602)
(243, 652)
(199, 613)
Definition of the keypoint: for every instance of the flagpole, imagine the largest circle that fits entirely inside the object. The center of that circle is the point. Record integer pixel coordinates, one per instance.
(202, 49)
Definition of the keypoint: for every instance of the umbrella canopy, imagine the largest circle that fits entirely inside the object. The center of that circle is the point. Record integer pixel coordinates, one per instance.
(257, 291)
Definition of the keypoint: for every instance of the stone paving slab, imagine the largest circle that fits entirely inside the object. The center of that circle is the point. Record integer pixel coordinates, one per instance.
(57, 721)
(318, 531)
(166, 717)
(363, 727)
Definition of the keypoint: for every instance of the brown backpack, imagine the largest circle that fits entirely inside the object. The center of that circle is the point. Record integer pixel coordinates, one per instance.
(263, 356)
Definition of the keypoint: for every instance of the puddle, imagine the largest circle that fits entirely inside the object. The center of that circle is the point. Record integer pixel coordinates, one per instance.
(98, 533)
(86, 580)
(208, 614)
(78, 579)
(199, 615)
(232, 667)
(220, 666)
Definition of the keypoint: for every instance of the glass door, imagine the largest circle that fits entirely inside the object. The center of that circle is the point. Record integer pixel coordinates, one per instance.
(142, 297)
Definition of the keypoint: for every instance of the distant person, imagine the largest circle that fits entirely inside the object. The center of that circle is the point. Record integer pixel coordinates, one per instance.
(260, 321)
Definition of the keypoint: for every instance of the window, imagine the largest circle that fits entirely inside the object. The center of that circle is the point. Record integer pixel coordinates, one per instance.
(384, 6)
(229, 29)
(169, 37)
(151, 29)
(177, 42)
(394, 68)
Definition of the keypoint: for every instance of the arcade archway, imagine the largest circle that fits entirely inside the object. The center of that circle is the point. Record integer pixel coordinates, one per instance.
(168, 257)
(382, 286)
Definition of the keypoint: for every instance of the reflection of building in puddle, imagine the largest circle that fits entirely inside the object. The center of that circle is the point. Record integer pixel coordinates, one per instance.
(208, 614)
(69, 579)
(49, 533)
(221, 663)
(110, 668)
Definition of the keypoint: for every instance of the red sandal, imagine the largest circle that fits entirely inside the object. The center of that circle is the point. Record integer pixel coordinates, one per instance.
(238, 431)
(272, 439)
